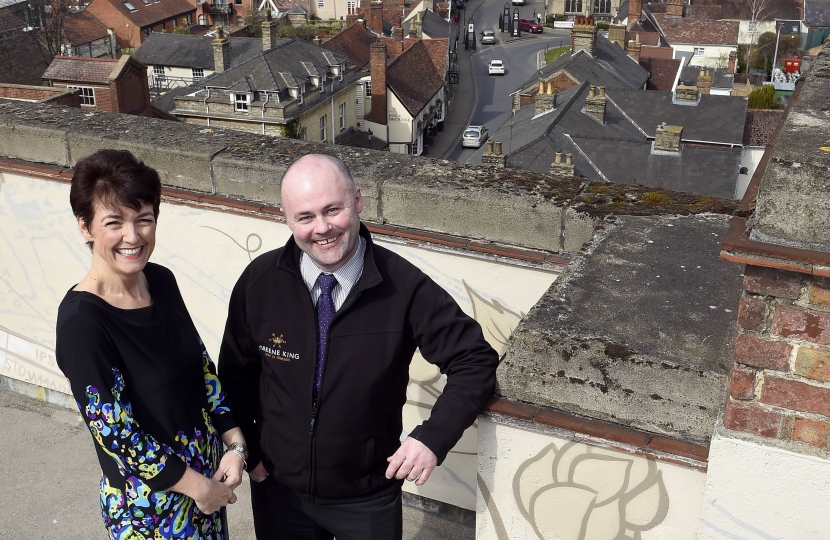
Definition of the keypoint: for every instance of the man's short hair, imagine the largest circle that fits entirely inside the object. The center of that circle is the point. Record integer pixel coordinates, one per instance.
(341, 167)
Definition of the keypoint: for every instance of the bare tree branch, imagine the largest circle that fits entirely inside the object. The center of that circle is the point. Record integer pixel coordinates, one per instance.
(758, 8)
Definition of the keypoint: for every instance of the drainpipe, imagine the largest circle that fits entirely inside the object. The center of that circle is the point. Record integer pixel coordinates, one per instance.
(332, 112)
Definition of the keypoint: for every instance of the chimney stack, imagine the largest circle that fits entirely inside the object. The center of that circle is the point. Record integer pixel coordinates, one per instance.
(377, 71)
(494, 157)
(545, 99)
(732, 61)
(352, 18)
(616, 35)
(674, 7)
(685, 92)
(416, 27)
(635, 10)
(667, 138)
(595, 103)
(377, 18)
(583, 35)
(221, 51)
(704, 82)
(634, 48)
(269, 32)
(557, 168)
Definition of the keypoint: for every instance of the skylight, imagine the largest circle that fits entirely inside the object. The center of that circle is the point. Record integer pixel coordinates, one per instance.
(130, 7)
(146, 2)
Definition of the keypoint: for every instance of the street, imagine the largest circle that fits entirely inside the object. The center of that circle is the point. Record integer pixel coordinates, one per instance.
(520, 56)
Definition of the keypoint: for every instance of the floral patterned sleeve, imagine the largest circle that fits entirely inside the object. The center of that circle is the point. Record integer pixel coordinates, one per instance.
(90, 361)
(220, 413)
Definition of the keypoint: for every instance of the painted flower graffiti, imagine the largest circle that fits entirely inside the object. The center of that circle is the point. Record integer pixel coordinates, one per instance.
(580, 492)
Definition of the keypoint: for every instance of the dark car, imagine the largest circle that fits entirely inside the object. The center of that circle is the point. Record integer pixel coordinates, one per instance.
(459, 4)
(529, 25)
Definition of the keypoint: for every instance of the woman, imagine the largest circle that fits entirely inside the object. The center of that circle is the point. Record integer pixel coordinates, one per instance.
(142, 378)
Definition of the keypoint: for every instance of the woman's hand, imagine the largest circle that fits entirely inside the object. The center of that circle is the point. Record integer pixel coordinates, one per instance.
(214, 496)
(230, 470)
(258, 473)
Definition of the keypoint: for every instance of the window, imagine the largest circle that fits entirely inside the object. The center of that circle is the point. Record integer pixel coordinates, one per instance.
(198, 74)
(158, 74)
(418, 146)
(602, 6)
(698, 51)
(146, 2)
(351, 7)
(753, 27)
(323, 120)
(237, 2)
(342, 116)
(368, 88)
(240, 21)
(148, 31)
(321, 4)
(573, 6)
(87, 95)
(241, 101)
(203, 19)
(130, 7)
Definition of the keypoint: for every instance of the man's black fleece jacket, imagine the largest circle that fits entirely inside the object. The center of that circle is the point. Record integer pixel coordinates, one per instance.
(268, 354)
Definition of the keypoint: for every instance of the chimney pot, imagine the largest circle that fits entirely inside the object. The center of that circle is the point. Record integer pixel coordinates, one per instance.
(558, 159)
(489, 147)
(550, 88)
(569, 159)
(541, 87)
(591, 91)
(498, 148)
(602, 91)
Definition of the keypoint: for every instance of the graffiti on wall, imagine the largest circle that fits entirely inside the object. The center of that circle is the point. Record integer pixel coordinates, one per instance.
(42, 255)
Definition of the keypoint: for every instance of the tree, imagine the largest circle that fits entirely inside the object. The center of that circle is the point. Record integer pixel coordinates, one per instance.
(762, 56)
(758, 8)
(763, 98)
(51, 35)
(184, 28)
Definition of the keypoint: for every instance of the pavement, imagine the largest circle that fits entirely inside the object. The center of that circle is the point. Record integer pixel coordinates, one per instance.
(49, 481)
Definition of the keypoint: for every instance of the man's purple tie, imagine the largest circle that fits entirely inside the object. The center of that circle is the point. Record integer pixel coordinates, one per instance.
(325, 312)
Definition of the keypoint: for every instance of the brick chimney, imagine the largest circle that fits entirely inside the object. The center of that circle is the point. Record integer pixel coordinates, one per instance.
(583, 35)
(560, 168)
(667, 138)
(730, 68)
(416, 27)
(351, 19)
(493, 156)
(595, 103)
(269, 32)
(634, 48)
(376, 18)
(635, 10)
(685, 92)
(221, 51)
(545, 99)
(704, 82)
(377, 71)
(674, 7)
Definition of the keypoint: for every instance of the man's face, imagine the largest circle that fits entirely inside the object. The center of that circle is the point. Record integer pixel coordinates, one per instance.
(322, 212)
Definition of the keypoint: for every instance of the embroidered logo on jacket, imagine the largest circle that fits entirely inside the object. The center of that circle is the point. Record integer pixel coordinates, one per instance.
(277, 353)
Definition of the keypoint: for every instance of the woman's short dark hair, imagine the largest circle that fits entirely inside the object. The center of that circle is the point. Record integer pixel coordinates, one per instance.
(113, 178)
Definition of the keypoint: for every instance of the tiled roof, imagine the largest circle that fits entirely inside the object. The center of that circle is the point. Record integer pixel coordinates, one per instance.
(353, 41)
(437, 49)
(817, 13)
(83, 27)
(182, 50)
(23, 61)
(703, 12)
(149, 12)
(651, 39)
(79, 69)
(760, 126)
(413, 78)
(663, 72)
(698, 31)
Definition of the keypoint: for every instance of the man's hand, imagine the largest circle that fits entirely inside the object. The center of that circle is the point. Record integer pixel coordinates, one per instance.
(258, 473)
(413, 461)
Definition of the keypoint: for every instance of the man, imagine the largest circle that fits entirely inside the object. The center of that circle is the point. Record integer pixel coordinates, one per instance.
(315, 360)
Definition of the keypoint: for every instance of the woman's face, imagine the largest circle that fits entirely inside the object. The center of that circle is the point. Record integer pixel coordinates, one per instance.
(122, 239)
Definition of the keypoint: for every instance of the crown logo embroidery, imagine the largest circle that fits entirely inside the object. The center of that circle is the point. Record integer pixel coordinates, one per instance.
(277, 341)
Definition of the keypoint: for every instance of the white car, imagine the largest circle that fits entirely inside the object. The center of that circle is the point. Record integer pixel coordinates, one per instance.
(474, 136)
(496, 67)
(518, 2)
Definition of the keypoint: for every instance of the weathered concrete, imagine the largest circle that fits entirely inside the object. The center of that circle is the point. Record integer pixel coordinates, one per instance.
(33, 143)
(638, 331)
(795, 191)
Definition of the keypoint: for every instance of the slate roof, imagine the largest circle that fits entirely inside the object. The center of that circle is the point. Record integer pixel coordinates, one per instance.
(663, 72)
(697, 31)
(80, 69)
(286, 65)
(434, 26)
(23, 61)
(9, 3)
(181, 50)
(148, 14)
(720, 77)
(353, 41)
(610, 66)
(413, 78)
(817, 13)
(760, 126)
(83, 27)
(619, 150)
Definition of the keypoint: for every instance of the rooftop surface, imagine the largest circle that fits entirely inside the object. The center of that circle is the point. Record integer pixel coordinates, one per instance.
(180, 50)
(596, 345)
(697, 31)
(77, 69)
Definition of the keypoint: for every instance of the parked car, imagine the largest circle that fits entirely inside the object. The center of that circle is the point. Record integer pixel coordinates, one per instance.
(488, 37)
(529, 25)
(459, 4)
(518, 2)
(496, 67)
(474, 136)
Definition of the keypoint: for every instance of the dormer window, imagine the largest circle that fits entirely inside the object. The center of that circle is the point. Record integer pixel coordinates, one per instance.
(241, 101)
(130, 7)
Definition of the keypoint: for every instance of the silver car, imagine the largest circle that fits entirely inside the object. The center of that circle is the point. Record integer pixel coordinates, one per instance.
(474, 136)
(488, 37)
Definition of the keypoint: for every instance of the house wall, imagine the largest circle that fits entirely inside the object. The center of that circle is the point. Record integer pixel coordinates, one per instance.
(333, 9)
(558, 7)
(310, 120)
(403, 128)
(745, 37)
(539, 485)
(750, 158)
(127, 34)
(713, 55)
(42, 255)
(175, 77)
(98, 48)
(103, 96)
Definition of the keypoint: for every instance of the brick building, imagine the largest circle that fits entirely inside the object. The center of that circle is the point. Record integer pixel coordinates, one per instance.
(134, 20)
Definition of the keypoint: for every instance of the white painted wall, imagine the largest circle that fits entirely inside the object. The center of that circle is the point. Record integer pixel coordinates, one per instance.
(534, 485)
(750, 158)
(758, 492)
(42, 255)
(745, 36)
(713, 55)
